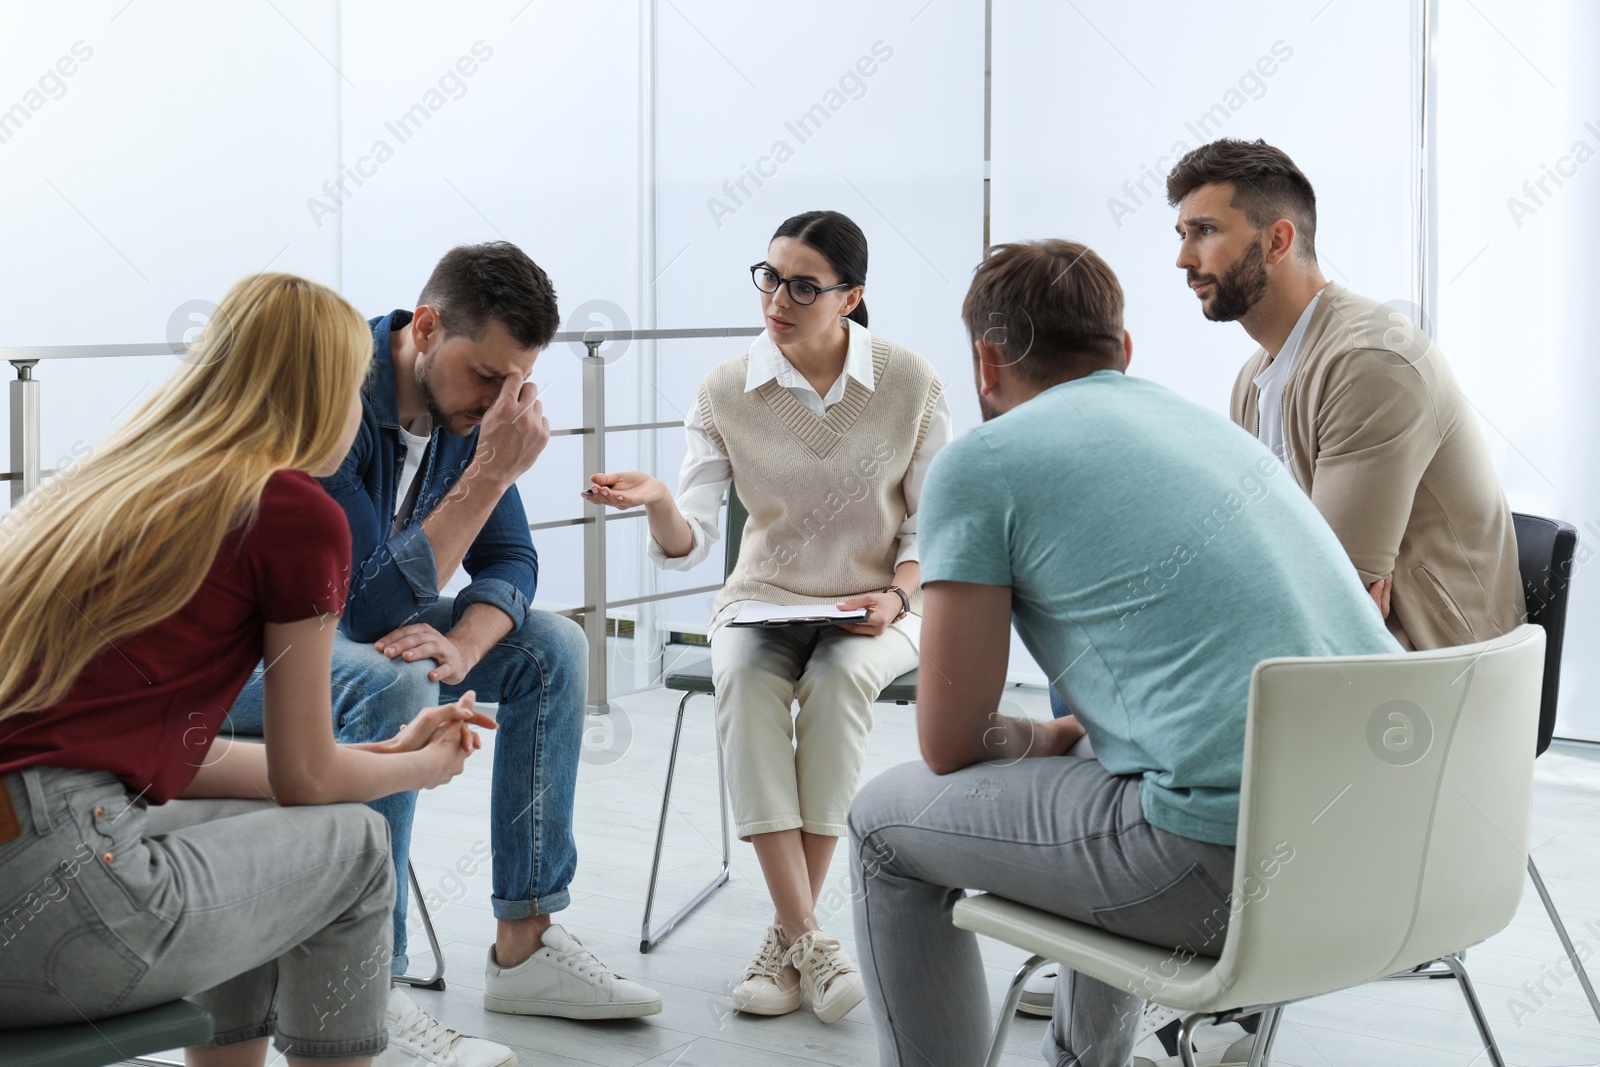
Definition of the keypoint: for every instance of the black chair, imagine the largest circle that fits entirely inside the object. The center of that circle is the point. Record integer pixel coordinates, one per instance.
(105, 1041)
(697, 679)
(1545, 548)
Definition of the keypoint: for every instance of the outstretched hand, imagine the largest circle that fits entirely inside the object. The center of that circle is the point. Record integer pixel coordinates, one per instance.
(624, 489)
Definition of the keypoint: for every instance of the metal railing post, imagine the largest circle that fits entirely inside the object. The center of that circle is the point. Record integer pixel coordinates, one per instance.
(594, 533)
(24, 430)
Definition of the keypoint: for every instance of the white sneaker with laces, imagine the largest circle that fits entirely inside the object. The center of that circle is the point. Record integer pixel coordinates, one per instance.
(417, 1039)
(1039, 993)
(565, 979)
(771, 985)
(827, 974)
(1214, 1046)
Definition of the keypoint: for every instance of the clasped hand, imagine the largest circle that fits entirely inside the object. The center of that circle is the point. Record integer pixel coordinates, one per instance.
(446, 732)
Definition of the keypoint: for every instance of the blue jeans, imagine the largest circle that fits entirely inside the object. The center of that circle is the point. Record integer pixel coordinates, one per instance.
(1058, 706)
(538, 674)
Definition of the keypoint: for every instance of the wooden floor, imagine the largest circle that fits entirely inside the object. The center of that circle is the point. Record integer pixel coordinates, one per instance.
(1405, 1024)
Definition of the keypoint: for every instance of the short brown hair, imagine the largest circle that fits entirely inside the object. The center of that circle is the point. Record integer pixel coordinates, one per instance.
(1053, 305)
(1267, 186)
(474, 285)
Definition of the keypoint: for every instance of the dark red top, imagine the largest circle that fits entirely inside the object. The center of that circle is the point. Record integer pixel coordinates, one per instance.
(148, 709)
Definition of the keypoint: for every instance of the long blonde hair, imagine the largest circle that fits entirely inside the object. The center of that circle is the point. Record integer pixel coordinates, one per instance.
(123, 538)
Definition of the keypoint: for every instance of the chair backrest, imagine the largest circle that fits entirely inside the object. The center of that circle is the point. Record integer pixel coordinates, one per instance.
(736, 520)
(1545, 548)
(1384, 814)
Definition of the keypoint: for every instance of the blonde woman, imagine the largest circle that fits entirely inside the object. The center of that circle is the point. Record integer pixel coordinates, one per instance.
(828, 432)
(143, 584)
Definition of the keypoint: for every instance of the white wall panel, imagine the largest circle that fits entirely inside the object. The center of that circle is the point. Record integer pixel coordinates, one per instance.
(1095, 101)
(166, 165)
(1519, 181)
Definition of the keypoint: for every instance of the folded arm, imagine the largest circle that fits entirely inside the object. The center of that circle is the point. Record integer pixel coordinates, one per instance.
(966, 645)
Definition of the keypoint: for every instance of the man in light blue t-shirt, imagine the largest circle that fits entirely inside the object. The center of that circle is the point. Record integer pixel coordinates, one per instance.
(1150, 554)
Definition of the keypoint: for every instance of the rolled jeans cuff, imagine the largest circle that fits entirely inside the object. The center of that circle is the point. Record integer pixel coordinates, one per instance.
(509, 910)
(332, 1050)
(241, 1034)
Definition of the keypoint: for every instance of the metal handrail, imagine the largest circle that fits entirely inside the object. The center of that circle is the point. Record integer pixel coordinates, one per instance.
(25, 454)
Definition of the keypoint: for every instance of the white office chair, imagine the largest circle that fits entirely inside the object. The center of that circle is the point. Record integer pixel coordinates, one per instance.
(1402, 784)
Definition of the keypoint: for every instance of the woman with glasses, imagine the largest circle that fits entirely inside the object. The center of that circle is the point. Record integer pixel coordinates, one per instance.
(827, 433)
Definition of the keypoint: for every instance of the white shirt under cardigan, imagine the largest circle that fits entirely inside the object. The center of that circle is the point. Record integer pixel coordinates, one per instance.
(706, 472)
(1269, 385)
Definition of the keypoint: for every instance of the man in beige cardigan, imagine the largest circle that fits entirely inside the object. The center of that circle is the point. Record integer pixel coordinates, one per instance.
(1356, 401)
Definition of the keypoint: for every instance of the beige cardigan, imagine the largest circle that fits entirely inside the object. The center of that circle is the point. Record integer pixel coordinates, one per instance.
(1380, 436)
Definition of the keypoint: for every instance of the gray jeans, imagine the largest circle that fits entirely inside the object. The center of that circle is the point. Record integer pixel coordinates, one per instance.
(1061, 835)
(276, 920)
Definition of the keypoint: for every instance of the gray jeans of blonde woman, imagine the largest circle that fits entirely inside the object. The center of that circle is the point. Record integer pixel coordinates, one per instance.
(276, 920)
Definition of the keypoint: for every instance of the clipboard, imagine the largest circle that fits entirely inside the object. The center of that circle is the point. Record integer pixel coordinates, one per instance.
(757, 613)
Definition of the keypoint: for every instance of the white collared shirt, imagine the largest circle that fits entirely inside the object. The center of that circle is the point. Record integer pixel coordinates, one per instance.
(706, 472)
(1269, 387)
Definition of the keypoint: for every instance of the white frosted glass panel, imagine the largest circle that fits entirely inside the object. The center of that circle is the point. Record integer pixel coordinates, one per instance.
(1095, 101)
(1519, 181)
(503, 121)
(169, 162)
(877, 113)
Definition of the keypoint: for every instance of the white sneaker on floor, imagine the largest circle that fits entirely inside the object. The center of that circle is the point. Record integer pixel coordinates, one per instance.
(565, 979)
(771, 985)
(1214, 1046)
(827, 974)
(1039, 993)
(417, 1039)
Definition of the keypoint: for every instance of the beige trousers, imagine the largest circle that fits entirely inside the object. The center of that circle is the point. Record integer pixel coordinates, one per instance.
(790, 770)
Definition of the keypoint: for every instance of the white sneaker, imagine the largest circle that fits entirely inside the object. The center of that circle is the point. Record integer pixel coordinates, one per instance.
(1039, 994)
(417, 1039)
(563, 978)
(1214, 1046)
(771, 985)
(826, 973)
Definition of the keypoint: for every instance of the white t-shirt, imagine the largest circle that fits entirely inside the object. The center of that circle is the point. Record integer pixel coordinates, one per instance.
(1269, 385)
(416, 444)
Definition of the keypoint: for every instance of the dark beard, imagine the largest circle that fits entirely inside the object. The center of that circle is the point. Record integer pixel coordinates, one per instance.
(430, 401)
(1239, 289)
(985, 408)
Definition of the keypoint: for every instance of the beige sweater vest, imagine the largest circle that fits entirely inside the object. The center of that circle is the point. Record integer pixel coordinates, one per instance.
(826, 496)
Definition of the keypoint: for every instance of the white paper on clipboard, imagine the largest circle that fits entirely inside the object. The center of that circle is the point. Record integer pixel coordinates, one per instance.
(756, 613)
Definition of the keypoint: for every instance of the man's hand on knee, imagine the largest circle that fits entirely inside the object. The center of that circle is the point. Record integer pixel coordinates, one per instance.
(418, 640)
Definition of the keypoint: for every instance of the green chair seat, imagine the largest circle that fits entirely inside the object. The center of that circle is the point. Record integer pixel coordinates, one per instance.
(691, 679)
(175, 1025)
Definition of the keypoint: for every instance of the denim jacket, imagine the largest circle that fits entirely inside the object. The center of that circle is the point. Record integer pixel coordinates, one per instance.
(392, 578)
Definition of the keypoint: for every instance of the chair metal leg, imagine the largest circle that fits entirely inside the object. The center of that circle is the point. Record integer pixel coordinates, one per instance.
(1261, 1047)
(1008, 1009)
(648, 939)
(436, 979)
(1566, 941)
(1490, 1046)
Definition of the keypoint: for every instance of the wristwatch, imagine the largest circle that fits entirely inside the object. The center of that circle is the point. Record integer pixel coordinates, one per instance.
(905, 603)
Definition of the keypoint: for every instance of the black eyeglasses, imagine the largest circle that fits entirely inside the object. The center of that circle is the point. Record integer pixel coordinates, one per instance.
(801, 292)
